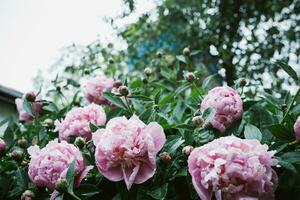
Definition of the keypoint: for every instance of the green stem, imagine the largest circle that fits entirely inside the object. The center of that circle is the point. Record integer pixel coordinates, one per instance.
(290, 106)
(73, 196)
(197, 91)
(294, 142)
(128, 106)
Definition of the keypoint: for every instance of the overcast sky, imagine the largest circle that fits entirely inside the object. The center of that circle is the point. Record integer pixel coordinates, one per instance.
(33, 31)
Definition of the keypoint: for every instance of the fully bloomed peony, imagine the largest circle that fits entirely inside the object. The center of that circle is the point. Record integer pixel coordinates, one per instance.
(49, 164)
(234, 169)
(23, 115)
(297, 129)
(227, 104)
(126, 149)
(93, 90)
(77, 122)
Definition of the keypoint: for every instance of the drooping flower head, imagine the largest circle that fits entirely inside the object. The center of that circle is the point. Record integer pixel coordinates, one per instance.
(50, 163)
(297, 129)
(36, 105)
(94, 88)
(77, 122)
(126, 149)
(233, 168)
(227, 104)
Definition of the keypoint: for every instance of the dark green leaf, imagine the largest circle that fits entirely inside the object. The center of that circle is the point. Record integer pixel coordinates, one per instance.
(181, 58)
(93, 127)
(28, 107)
(70, 176)
(114, 99)
(287, 165)
(291, 157)
(288, 69)
(159, 193)
(252, 132)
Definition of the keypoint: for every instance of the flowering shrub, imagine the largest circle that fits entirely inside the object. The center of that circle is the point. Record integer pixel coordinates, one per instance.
(165, 133)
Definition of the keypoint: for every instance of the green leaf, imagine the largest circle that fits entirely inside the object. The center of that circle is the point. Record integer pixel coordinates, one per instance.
(181, 58)
(70, 176)
(288, 69)
(182, 88)
(287, 165)
(208, 114)
(176, 145)
(280, 132)
(28, 107)
(252, 132)
(93, 127)
(141, 98)
(114, 99)
(207, 80)
(159, 193)
(291, 157)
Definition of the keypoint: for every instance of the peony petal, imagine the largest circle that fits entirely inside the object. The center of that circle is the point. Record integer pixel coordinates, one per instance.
(33, 151)
(158, 135)
(146, 171)
(81, 176)
(129, 175)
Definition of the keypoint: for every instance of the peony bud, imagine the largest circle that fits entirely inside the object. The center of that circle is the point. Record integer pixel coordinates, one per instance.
(48, 122)
(17, 155)
(123, 90)
(27, 195)
(159, 54)
(79, 142)
(187, 150)
(189, 76)
(148, 71)
(208, 125)
(186, 51)
(2, 146)
(30, 96)
(165, 157)
(242, 82)
(61, 185)
(22, 142)
(117, 83)
(198, 120)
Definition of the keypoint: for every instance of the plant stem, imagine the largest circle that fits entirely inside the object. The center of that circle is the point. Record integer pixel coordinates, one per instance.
(127, 103)
(73, 196)
(290, 106)
(294, 142)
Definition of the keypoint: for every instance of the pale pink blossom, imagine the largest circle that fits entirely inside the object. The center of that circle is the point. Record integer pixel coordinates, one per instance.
(94, 88)
(126, 149)
(50, 163)
(233, 168)
(23, 115)
(227, 104)
(297, 129)
(77, 122)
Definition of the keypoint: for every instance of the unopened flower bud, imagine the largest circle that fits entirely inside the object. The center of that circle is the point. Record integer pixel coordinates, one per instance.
(186, 51)
(2, 146)
(48, 122)
(159, 54)
(58, 89)
(24, 163)
(145, 81)
(156, 107)
(187, 150)
(189, 76)
(27, 195)
(17, 155)
(61, 185)
(165, 157)
(79, 142)
(22, 142)
(30, 96)
(123, 90)
(198, 120)
(111, 61)
(148, 71)
(208, 125)
(242, 82)
(117, 83)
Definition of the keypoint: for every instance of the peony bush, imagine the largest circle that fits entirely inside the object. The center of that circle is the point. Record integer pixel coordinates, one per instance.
(171, 131)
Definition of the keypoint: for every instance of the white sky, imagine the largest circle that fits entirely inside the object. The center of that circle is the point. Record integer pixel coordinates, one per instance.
(33, 31)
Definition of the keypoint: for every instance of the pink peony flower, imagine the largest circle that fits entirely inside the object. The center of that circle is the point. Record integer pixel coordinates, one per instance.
(227, 104)
(233, 168)
(49, 164)
(77, 122)
(297, 129)
(2, 145)
(127, 149)
(23, 115)
(95, 87)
